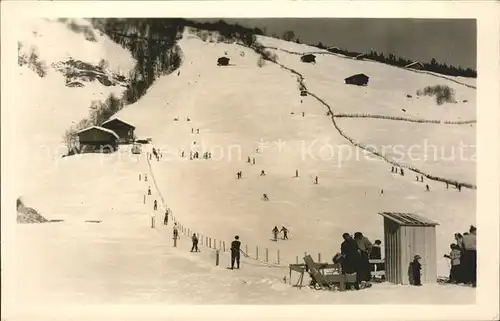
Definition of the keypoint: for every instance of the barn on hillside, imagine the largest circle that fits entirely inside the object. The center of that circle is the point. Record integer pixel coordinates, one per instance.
(415, 65)
(123, 129)
(358, 79)
(361, 56)
(223, 61)
(309, 58)
(407, 235)
(334, 49)
(97, 139)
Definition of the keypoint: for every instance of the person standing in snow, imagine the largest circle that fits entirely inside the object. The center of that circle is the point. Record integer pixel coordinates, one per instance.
(149, 190)
(427, 188)
(275, 233)
(402, 172)
(416, 268)
(145, 177)
(350, 258)
(285, 233)
(296, 173)
(376, 254)
(316, 180)
(194, 239)
(235, 252)
(253, 161)
(176, 231)
(470, 256)
(262, 173)
(165, 220)
(155, 205)
(264, 196)
(454, 257)
(248, 160)
(365, 246)
(197, 130)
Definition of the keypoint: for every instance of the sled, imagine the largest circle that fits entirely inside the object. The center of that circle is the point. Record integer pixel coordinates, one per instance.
(328, 281)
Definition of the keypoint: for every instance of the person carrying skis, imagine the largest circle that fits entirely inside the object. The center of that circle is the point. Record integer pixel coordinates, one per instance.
(285, 233)
(194, 239)
(235, 252)
(275, 233)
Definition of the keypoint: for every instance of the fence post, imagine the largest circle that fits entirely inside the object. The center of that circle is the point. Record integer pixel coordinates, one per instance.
(210, 242)
(267, 255)
(152, 220)
(279, 257)
(215, 244)
(144, 201)
(220, 244)
(224, 246)
(257, 252)
(319, 257)
(206, 240)
(217, 258)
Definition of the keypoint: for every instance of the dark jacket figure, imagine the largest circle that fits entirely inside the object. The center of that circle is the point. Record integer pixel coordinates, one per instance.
(176, 231)
(235, 252)
(155, 205)
(415, 268)
(350, 257)
(165, 220)
(194, 239)
(275, 233)
(285, 233)
(365, 246)
(470, 257)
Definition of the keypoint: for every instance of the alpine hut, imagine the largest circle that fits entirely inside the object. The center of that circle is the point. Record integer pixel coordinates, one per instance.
(407, 235)
(360, 56)
(97, 139)
(308, 58)
(358, 79)
(223, 61)
(415, 65)
(124, 130)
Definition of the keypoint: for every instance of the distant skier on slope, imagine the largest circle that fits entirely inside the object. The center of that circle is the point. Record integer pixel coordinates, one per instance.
(402, 172)
(194, 239)
(155, 205)
(165, 220)
(264, 196)
(262, 173)
(284, 230)
(275, 233)
(316, 180)
(176, 231)
(235, 252)
(149, 190)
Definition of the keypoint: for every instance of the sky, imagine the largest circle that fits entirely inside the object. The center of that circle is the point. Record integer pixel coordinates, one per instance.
(451, 41)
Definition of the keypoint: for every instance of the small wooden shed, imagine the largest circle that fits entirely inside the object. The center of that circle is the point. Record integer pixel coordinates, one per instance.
(308, 58)
(97, 139)
(123, 129)
(358, 79)
(223, 61)
(406, 235)
(415, 65)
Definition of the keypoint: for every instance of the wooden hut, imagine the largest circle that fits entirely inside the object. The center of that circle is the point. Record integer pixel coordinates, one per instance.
(358, 79)
(123, 129)
(415, 65)
(97, 139)
(360, 56)
(308, 58)
(406, 235)
(223, 61)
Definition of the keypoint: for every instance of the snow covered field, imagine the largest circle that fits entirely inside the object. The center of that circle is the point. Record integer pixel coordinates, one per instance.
(237, 109)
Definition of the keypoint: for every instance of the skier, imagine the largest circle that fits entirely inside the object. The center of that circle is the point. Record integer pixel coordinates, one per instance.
(192, 130)
(303, 114)
(381, 191)
(417, 178)
(265, 197)
(422, 178)
(415, 270)
(165, 220)
(176, 231)
(182, 154)
(447, 185)
(248, 160)
(145, 177)
(459, 187)
(262, 173)
(178, 73)
(194, 239)
(316, 180)
(235, 252)
(188, 119)
(253, 161)
(139, 176)
(275, 233)
(427, 187)
(155, 206)
(209, 155)
(198, 131)
(285, 233)
(392, 169)
(149, 190)
(402, 173)
(296, 173)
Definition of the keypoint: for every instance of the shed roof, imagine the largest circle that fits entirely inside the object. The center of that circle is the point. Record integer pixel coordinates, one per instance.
(413, 64)
(223, 58)
(358, 75)
(408, 219)
(119, 120)
(109, 131)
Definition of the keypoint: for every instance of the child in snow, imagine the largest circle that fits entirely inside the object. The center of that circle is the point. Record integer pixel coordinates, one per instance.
(416, 267)
(454, 257)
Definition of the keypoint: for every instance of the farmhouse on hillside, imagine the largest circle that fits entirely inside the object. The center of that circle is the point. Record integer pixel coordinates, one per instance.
(223, 61)
(333, 49)
(308, 58)
(361, 56)
(415, 65)
(358, 79)
(124, 130)
(97, 139)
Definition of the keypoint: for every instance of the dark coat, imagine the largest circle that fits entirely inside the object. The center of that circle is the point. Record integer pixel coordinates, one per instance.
(376, 253)
(351, 258)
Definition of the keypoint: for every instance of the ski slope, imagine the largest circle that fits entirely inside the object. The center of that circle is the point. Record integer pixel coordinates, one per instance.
(237, 109)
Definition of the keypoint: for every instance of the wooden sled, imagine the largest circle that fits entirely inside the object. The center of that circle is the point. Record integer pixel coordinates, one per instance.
(328, 281)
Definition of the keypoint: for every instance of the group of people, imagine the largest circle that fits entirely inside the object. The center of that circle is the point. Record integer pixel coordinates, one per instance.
(354, 257)
(463, 258)
(283, 230)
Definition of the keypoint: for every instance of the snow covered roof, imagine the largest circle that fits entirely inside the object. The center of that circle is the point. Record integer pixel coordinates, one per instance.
(413, 64)
(117, 119)
(408, 219)
(109, 131)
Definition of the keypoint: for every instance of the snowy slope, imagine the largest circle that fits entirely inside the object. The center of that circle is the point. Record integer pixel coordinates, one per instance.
(123, 260)
(51, 107)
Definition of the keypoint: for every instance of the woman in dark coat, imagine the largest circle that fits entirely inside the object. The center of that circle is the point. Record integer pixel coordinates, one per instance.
(350, 258)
